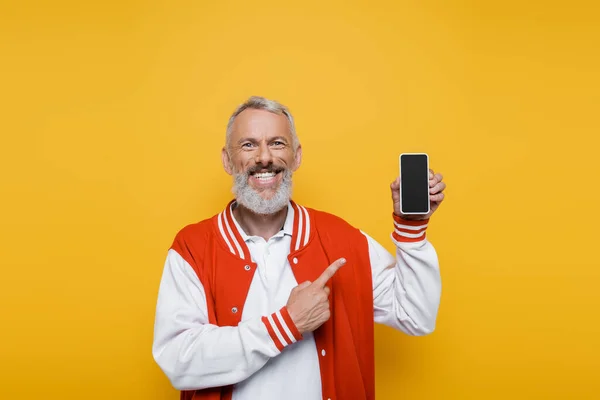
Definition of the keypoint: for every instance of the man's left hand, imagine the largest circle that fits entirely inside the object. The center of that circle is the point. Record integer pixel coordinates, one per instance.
(436, 196)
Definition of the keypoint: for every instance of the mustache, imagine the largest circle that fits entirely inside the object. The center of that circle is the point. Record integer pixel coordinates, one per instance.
(260, 168)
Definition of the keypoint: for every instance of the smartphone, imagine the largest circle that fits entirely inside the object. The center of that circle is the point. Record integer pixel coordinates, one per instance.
(414, 183)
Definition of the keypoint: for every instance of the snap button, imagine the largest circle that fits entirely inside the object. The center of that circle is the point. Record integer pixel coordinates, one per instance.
(295, 260)
(247, 268)
(234, 310)
(323, 352)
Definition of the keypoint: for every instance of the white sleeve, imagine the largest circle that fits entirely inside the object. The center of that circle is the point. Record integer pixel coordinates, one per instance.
(406, 288)
(195, 354)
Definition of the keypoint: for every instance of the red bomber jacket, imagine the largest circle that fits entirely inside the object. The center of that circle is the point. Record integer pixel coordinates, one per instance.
(223, 264)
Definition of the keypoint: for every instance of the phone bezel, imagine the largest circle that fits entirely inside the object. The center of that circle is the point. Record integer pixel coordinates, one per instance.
(400, 188)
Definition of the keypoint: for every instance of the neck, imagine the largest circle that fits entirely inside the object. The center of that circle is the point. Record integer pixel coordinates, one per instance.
(254, 224)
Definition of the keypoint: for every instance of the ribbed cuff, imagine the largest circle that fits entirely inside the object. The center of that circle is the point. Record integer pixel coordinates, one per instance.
(408, 230)
(281, 328)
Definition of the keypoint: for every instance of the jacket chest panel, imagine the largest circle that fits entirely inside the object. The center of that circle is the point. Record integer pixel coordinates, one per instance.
(232, 277)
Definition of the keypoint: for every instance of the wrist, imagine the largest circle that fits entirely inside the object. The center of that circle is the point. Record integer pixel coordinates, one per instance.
(294, 319)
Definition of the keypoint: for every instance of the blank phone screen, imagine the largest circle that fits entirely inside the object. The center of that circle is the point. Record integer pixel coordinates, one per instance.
(414, 181)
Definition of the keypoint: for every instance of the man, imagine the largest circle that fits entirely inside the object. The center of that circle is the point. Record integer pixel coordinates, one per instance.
(269, 299)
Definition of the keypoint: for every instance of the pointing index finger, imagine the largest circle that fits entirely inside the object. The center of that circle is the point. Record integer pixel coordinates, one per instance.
(329, 272)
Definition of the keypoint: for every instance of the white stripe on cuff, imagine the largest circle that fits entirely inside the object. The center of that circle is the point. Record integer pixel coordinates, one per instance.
(409, 235)
(285, 327)
(276, 330)
(410, 227)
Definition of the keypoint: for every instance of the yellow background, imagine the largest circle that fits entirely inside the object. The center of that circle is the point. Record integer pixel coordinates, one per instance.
(113, 115)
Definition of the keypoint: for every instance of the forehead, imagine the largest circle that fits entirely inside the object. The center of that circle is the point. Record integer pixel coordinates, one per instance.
(257, 123)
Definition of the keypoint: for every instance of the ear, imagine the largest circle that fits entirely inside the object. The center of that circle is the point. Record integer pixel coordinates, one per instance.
(297, 158)
(226, 161)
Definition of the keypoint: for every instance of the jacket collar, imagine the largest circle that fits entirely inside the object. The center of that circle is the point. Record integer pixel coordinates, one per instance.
(298, 225)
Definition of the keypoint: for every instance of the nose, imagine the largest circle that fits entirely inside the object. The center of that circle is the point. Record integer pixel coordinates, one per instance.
(264, 156)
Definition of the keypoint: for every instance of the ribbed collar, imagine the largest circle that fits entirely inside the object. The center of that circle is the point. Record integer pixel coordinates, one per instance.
(287, 229)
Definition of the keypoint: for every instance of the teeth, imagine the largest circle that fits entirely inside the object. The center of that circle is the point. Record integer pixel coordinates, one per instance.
(264, 175)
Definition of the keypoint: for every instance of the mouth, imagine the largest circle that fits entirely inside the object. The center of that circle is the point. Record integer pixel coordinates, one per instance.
(265, 179)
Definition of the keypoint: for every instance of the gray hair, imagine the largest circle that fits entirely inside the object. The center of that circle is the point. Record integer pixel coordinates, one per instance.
(272, 106)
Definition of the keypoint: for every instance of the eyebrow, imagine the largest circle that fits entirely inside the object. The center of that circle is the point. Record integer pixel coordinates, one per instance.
(280, 138)
(251, 140)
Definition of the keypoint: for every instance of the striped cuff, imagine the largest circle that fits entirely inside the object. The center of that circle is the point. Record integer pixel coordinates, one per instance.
(408, 230)
(281, 328)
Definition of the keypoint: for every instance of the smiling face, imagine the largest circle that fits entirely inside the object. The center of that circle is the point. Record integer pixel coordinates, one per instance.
(261, 159)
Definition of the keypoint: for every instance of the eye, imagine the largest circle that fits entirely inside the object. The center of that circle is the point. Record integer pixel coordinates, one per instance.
(247, 145)
(278, 143)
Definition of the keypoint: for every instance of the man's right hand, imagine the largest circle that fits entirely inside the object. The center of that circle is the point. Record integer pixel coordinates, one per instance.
(308, 304)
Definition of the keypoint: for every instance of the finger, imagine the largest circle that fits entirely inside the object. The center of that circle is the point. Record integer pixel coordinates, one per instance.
(437, 198)
(437, 178)
(304, 284)
(438, 188)
(329, 272)
(327, 290)
(433, 181)
(395, 189)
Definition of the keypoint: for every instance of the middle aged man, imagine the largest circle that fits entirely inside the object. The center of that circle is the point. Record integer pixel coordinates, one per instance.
(269, 299)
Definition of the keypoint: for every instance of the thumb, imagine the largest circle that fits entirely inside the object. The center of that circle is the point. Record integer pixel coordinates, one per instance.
(395, 189)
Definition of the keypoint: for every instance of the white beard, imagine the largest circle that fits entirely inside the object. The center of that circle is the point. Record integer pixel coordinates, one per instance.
(252, 200)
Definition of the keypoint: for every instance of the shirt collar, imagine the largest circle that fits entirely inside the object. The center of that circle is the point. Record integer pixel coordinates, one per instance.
(287, 229)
